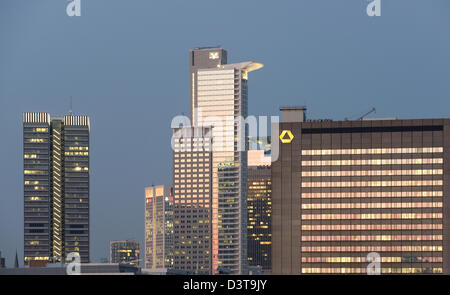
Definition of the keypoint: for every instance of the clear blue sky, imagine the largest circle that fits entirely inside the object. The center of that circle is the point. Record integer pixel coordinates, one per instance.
(126, 65)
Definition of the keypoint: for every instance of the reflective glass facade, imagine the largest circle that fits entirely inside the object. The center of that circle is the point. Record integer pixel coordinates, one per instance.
(259, 207)
(159, 226)
(219, 96)
(192, 162)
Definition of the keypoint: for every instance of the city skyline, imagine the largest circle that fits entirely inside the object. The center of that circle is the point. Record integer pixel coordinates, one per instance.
(119, 83)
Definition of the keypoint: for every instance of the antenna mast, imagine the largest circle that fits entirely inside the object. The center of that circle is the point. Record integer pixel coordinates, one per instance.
(70, 110)
(373, 110)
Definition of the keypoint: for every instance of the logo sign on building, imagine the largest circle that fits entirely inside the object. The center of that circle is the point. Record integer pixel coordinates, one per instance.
(286, 136)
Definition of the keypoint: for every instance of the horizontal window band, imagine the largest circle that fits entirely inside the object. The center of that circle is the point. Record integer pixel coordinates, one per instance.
(373, 129)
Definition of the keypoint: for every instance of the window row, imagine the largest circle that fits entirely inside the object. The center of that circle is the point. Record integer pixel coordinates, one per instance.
(373, 151)
(331, 195)
(416, 161)
(372, 216)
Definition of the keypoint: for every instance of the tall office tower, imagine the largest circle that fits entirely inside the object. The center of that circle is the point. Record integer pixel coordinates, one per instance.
(344, 189)
(127, 252)
(56, 187)
(259, 204)
(219, 96)
(159, 226)
(192, 160)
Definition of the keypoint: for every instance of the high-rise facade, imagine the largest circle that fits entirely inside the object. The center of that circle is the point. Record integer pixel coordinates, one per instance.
(56, 187)
(127, 252)
(219, 97)
(192, 161)
(344, 189)
(259, 207)
(159, 226)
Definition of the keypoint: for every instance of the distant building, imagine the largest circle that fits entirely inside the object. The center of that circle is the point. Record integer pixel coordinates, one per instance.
(159, 227)
(259, 206)
(344, 189)
(2, 261)
(127, 252)
(192, 161)
(85, 269)
(56, 187)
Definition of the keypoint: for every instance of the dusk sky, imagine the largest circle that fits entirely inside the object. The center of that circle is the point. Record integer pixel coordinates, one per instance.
(125, 63)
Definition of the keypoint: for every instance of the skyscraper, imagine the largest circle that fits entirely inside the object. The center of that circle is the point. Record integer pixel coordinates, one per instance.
(159, 226)
(219, 97)
(56, 187)
(259, 205)
(192, 160)
(344, 189)
(127, 252)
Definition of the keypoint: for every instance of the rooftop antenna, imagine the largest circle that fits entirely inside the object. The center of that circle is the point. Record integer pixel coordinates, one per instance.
(70, 110)
(373, 110)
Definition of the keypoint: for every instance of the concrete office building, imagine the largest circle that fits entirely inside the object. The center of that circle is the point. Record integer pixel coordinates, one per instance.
(219, 95)
(192, 162)
(56, 187)
(344, 189)
(259, 207)
(159, 227)
(125, 252)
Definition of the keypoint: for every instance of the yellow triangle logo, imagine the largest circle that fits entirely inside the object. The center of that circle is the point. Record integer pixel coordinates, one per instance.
(289, 137)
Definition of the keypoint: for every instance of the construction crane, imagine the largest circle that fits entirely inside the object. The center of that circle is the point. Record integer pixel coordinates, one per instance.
(373, 110)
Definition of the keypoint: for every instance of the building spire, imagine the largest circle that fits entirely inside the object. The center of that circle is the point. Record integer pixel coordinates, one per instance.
(70, 110)
(16, 261)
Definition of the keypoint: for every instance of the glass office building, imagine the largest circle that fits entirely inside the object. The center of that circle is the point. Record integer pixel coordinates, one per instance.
(56, 187)
(259, 208)
(159, 226)
(219, 96)
(125, 252)
(344, 189)
(192, 161)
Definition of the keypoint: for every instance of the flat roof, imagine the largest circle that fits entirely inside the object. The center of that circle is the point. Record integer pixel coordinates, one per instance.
(293, 108)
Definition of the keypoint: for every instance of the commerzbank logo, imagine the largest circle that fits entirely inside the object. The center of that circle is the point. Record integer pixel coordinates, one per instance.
(286, 136)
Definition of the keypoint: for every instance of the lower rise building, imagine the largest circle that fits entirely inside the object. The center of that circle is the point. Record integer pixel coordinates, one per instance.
(259, 207)
(127, 252)
(159, 227)
(344, 189)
